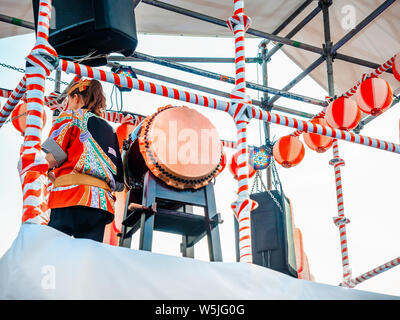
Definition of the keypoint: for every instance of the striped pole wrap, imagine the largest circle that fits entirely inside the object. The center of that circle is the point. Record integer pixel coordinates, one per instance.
(374, 272)
(149, 87)
(5, 93)
(384, 67)
(32, 166)
(253, 111)
(118, 117)
(51, 102)
(298, 133)
(229, 144)
(238, 24)
(42, 45)
(376, 73)
(242, 205)
(353, 89)
(13, 100)
(340, 221)
(307, 126)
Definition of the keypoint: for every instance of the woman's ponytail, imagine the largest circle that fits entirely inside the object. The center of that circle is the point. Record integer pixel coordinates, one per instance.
(92, 95)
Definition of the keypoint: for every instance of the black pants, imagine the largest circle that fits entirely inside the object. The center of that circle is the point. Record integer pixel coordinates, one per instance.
(80, 221)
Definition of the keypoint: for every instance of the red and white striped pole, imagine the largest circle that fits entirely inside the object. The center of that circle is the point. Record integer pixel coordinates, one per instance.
(376, 73)
(238, 24)
(32, 166)
(340, 221)
(12, 100)
(253, 111)
(374, 272)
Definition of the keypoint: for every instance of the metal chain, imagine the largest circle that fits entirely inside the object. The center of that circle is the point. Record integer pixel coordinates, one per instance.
(4, 65)
(12, 67)
(255, 184)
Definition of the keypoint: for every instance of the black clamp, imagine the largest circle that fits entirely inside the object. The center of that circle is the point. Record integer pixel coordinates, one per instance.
(324, 3)
(265, 104)
(359, 127)
(327, 51)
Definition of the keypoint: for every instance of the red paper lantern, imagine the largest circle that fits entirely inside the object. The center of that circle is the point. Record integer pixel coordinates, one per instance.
(374, 96)
(343, 113)
(123, 131)
(396, 66)
(315, 141)
(18, 116)
(233, 167)
(223, 161)
(288, 151)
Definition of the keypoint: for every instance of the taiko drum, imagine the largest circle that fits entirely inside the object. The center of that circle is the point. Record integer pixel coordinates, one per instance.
(179, 146)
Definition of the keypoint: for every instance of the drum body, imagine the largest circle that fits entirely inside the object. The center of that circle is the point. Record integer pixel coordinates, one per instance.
(179, 146)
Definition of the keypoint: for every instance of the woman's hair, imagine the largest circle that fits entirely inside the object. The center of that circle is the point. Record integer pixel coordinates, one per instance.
(91, 93)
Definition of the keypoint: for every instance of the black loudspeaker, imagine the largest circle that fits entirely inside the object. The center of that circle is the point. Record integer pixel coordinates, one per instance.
(272, 233)
(97, 27)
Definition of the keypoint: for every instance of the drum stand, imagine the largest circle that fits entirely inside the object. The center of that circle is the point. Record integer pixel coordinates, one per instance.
(191, 226)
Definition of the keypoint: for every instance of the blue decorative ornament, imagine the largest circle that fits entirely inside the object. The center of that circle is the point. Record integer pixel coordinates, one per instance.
(260, 157)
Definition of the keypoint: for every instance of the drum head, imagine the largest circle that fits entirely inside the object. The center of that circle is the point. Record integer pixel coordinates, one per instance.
(181, 147)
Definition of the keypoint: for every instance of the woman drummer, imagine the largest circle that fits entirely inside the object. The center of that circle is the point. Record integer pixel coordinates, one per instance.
(84, 152)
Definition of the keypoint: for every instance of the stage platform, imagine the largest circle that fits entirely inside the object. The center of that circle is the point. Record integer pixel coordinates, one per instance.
(43, 263)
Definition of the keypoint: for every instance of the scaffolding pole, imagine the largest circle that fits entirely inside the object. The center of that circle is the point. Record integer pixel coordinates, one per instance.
(293, 16)
(340, 221)
(197, 87)
(295, 30)
(220, 77)
(185, 59)
(17, 22)
(336, 47)
(257, 33)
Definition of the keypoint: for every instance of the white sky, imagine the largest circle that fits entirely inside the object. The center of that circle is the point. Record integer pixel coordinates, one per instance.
(370, 178)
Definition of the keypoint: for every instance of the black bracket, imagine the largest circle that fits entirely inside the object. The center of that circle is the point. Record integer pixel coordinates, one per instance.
(265, 104)
(359, 127)
(327, 51)
(324, 3)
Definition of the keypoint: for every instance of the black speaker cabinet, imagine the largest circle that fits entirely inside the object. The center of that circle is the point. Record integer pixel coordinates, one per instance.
(97, 27)
(272, 234)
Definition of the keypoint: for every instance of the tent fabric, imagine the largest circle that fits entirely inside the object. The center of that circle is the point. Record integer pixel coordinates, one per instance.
(43, 263)
(378, 42)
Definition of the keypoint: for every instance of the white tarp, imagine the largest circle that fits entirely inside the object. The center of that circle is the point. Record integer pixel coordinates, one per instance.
(376, 43)
(43, 263)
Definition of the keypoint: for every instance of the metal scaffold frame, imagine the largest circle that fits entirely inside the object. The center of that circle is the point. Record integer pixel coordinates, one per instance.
(43, 59)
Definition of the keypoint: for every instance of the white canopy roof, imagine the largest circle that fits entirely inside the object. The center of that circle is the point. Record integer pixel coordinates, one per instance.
(376, 43)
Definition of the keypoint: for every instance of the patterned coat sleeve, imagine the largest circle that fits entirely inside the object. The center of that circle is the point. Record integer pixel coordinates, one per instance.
(61, 134)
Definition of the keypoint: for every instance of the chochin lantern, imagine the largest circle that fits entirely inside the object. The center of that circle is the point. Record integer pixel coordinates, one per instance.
(18, 116)
(233, 166)
(374, 96)
(396, 66)
(288, 151)
(223, 162)
(123, 131)
(315, 141)
(343, 113)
